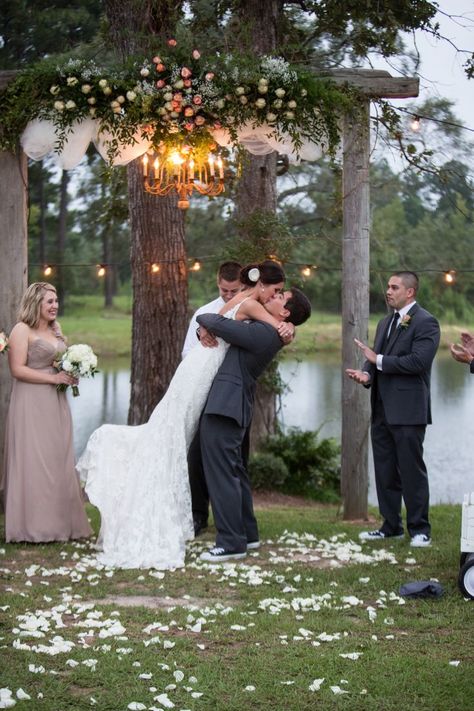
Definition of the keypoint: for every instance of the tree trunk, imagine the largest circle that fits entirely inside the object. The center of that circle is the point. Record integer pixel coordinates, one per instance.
(256, 190)
(355, 312)
(157, 232)
(159, 300)
(61, 239)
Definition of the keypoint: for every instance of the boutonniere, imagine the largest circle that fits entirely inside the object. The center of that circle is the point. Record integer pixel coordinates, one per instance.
(405, 322)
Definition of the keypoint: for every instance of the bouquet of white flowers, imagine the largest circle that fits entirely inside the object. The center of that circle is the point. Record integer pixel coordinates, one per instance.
(3, 342)
(79, 361)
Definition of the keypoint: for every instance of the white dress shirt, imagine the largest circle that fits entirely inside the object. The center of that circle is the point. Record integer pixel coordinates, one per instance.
(403, 312)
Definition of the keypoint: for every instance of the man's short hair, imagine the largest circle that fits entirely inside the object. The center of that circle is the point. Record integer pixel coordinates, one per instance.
(410, 279)
(229, 271)
(299, 307)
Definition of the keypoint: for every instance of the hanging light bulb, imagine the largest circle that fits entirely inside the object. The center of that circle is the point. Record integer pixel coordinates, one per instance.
(450, 276)
(101, 270)
(306, 271)
(196, 265)
(47, 270)
(155, 268)
(415, 123)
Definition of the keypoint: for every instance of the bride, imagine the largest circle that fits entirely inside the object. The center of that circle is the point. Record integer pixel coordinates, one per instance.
(138, 476)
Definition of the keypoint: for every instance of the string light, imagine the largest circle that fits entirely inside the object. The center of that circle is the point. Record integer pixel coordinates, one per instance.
(450, 276)
(415, 124)
(196, 267)
(101, 270)
(47, 270)
(155, 268)
(307, 270)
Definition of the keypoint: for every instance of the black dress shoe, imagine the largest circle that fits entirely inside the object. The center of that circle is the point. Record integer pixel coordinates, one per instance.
(199, 526)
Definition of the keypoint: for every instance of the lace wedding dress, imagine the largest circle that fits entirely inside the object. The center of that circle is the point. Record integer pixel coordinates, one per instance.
(138, 476)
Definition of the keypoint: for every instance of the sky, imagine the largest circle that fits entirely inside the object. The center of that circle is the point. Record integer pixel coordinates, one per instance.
(441, 73)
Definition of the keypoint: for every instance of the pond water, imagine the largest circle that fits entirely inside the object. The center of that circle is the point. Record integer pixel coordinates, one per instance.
(312, 401)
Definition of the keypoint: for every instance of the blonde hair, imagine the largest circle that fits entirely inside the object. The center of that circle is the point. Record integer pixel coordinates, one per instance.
(30, 307)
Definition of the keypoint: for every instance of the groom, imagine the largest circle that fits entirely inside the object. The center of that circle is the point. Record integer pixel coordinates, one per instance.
(227, 414)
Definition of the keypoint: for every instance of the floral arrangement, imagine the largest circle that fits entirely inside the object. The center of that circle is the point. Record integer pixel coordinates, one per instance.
(3, 342)
(405, 322)
(175, 96)
(79, 361)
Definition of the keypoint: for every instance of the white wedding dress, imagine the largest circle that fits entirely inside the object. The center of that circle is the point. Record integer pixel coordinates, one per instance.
(138, 476)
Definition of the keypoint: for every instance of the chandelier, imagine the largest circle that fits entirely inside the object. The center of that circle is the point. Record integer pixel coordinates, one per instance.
(177, 168)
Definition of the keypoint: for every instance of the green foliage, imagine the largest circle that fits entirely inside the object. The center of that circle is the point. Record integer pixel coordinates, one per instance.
(313, 464)
(267, 471)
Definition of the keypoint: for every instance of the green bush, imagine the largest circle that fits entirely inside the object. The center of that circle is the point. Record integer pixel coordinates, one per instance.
(313, 465)
(267, 471)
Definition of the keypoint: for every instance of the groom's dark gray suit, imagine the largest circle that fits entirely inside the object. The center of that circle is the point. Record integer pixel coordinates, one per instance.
(226, 416)
(401, 409)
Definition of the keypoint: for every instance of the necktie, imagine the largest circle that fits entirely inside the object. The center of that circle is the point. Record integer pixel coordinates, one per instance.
(393, 324)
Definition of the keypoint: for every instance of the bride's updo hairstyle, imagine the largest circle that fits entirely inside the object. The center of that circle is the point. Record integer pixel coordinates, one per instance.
(30, 307)
(268, 272)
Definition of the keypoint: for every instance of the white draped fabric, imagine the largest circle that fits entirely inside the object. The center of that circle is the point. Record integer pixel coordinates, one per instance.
(39, 140)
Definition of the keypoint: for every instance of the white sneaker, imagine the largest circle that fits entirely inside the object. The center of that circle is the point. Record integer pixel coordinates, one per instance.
(253, 545)
(420, 540)
(377, 536)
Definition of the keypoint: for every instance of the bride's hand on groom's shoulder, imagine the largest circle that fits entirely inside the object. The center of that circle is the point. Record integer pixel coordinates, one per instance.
(286, 331)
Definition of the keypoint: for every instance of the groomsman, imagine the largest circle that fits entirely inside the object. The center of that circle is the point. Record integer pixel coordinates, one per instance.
(398, 371)
(229, 284)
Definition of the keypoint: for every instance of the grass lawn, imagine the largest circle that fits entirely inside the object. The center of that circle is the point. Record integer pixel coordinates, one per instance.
(109, 331)
(311, 620)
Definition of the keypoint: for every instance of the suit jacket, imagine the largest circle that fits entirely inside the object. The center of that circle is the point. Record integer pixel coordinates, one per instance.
(404, 381)
(253, 345)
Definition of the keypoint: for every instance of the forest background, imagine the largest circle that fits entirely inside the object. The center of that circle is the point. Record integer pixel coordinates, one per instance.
(421, 219)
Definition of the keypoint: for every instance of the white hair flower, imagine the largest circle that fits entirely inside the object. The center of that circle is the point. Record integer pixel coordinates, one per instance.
(254, 274)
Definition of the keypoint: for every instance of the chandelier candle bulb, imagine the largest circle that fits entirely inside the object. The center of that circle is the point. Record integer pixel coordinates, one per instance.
(220, 166)
(145, 165)
(211, 165)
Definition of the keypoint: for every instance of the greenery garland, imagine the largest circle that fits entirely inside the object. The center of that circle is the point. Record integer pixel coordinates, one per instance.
(176, 99)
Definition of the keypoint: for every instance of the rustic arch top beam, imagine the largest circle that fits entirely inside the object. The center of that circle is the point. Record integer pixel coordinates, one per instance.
(375, 83)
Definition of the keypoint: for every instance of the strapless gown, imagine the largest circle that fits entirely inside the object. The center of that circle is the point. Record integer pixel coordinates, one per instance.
(43, 499)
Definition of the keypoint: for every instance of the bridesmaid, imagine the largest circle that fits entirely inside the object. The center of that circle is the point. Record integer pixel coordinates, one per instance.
(43, 499)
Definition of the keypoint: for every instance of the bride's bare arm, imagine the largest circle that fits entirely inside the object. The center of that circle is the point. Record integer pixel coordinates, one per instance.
(252, 309)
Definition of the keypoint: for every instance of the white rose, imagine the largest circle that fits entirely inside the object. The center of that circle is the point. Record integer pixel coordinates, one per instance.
(243, 100)
(262, 88)
(263, 81)
(240, 90)
(115, 104)
(289, 115)
(220, 103)
(91, 100)
(271, 117)
(280, 93)
(59, 105)
(121, 99)
(107, 90)
(178, 84)
(260, 103)
(131, 96)
(278, 103)
(67, 366)
(70, 104)
(144, 72)
(72, 81)
(168, 96)
(169, 106)
(92, 111)
(103, 83)
(55, 89)
(86, 88)
(304, 92)
(292, 104)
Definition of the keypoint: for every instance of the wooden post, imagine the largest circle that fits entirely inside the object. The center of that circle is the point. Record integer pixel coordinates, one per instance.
(355, 310)
(13, 261)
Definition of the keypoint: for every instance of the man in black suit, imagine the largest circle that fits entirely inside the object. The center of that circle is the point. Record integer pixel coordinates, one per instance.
(398, 370)
(227, 415)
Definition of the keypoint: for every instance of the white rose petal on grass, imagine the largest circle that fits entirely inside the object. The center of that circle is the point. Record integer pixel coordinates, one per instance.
(249, 688)
(455, 663)
(338, 690)
(178, 675)
(164, 700)
(145, 676)
(22, 695)
(6, 699)
(136, 706)
(351, 655)
(168, 645)
(316, 684)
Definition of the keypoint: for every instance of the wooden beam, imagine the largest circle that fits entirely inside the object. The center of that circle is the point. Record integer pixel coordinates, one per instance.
(376, 84)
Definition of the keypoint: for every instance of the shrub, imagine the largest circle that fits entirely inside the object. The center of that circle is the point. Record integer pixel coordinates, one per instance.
(267, 471)
(313, 466)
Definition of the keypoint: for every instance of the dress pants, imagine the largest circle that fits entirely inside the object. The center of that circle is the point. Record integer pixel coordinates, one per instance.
(197, 479)
(400, 472)
(228, 483)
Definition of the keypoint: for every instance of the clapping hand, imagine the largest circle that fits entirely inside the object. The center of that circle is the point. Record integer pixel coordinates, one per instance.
(461, 353)
(358, 375)
(467, 341)
(369, 354)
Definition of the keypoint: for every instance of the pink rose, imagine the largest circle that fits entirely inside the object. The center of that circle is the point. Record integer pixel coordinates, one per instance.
(156, 60)
(209, 76)
(196, 54)
(177, 96)
(186, 73)
(199, 120)
(189, 126)
(197, 100)
(160, 67)
(172, 42)
(189, 111)
(187, 82)
(160, 83)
